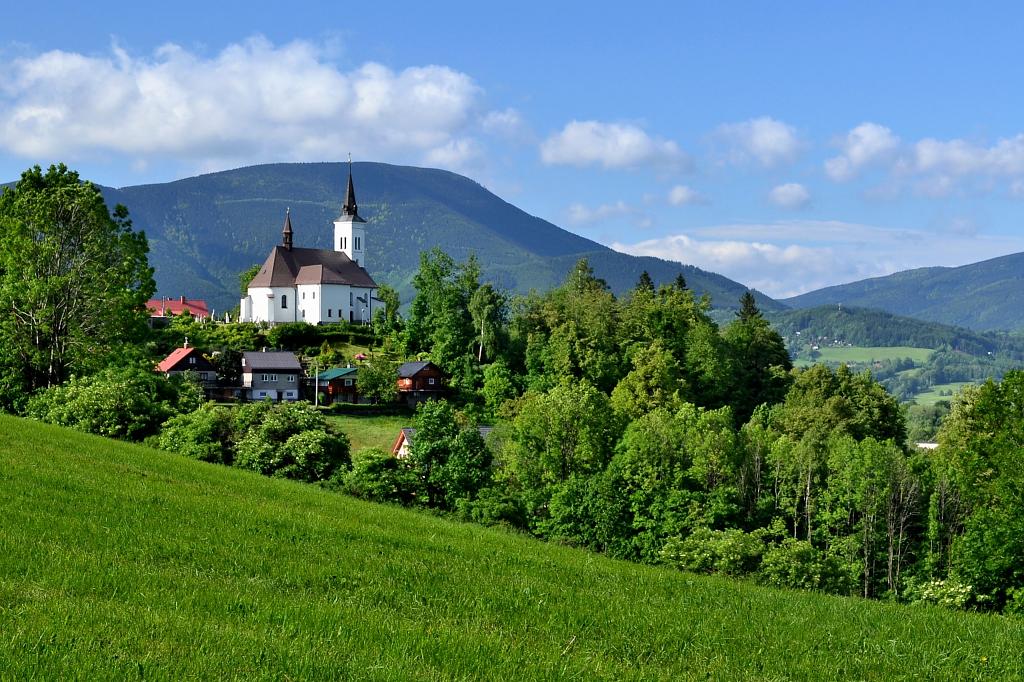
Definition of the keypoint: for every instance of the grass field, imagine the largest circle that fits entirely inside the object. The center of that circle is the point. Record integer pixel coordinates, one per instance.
(863, 354)
(117, 561)
(934, 394)
(370, 431)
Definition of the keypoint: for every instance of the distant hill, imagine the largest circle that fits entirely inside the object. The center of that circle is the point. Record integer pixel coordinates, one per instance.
(980, 296)
(203, 231)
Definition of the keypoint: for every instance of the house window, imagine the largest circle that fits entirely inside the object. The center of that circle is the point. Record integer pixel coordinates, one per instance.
(348, 382)
(191, 361)
(270, 377)
(284, 301)
(291, 378)
(430, 381)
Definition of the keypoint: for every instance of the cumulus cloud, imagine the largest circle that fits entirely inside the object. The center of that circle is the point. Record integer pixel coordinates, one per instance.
(610, 145)
(959, 157)
(681, 195)
(764, 140)
(867, 144)
(789, 195)
(456, 155)
(791, 257)
(252, 100)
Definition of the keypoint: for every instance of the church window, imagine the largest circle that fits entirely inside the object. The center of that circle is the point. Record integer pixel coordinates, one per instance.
(303, 295)
(343, 243)
(357, 240)
(314, 295)
(329, 311)
(284, 301)
(350, 298)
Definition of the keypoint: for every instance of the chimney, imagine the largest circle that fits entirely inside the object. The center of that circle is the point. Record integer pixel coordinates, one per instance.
(182, 299)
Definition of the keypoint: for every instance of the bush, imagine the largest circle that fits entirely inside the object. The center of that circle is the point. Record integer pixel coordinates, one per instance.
(378, 476)
(290, 440)
(731, 552)
(951, 592)
(797, 563)
(126, 403)
(493, 507)
(205, 434)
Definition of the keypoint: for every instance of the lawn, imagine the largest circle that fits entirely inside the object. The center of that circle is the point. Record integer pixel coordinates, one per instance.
(940, 392)
(370, 431)
(117, 561)
(866, 354)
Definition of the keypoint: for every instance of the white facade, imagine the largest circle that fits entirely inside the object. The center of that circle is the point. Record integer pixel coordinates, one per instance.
(350, 238)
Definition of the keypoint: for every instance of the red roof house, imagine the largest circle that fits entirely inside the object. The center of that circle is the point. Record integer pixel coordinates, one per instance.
(186, 359)
(165, 307)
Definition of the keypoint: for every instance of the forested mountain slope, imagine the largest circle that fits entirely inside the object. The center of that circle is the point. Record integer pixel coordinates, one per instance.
(981, 296)
(203, 231)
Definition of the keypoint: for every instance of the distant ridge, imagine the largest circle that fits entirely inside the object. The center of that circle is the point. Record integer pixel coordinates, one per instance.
(204, 230)
(983, 296)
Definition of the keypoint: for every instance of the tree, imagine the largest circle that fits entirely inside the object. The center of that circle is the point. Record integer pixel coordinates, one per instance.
(760, 360)
(654, 382)
(488, 309)
(645, 282)
(247, 276)
(290, 440)
(451, 459)
(378, 380)
(387, 319)
(74, 281)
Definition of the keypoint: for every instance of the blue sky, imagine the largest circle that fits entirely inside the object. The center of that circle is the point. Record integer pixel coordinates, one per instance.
(786, 145)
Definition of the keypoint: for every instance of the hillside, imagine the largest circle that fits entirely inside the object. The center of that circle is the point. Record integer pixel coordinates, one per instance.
(203, 231)
(981, 296)
(119, 561)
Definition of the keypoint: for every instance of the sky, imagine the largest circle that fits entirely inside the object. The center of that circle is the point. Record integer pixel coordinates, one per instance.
(788, 146)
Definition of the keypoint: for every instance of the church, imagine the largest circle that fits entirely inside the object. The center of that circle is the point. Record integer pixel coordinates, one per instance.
(318, 286)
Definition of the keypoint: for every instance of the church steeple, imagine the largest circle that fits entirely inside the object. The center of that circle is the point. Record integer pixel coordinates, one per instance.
(286, 233)
(349, 228)
(350, 208)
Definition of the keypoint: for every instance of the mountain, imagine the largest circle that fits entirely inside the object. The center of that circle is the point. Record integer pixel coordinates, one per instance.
(203, 231)
(981, 296)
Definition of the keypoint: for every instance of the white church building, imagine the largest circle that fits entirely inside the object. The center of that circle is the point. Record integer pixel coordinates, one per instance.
(317, 286)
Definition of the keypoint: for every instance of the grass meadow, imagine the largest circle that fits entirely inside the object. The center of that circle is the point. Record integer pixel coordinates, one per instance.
(865, 354)
(940, 392)
(366, 431)
(118, 561)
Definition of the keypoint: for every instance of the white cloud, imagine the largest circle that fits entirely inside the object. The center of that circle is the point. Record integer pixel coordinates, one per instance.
(868, 143)
(958, 157)
(681, 195)
(610, 145)
(791, 257)
(251, 101)
(764, 140)
(579, 214)
(456, 155)
(789, 195)
(507, 123)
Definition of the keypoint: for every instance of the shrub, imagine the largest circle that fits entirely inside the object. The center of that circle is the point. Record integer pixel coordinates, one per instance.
(731, 552)
(797, 563)
(291, 440)
(378, 476)
(204, 434)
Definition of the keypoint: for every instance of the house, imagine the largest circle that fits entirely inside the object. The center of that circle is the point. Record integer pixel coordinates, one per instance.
(420, 381)
(403, 443)
(188, 359)
(339, 385)
(160, 309)
(273, 375)
(317, 286)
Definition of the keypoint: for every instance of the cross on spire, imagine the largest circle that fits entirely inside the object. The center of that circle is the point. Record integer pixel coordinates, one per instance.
(350, 207)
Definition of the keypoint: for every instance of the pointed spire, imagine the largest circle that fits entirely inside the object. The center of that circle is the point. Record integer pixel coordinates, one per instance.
(287, 231)
(350, 207)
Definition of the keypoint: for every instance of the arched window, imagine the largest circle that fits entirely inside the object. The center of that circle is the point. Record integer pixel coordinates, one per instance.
(284, 301)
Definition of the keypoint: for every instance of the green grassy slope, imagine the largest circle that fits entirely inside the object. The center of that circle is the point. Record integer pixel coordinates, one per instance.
(117, 561)
(205, 230)
(982, 296)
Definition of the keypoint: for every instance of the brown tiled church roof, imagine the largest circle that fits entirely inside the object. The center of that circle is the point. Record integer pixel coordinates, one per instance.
(287, 267)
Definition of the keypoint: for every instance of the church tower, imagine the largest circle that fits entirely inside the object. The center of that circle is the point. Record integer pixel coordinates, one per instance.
(349, 228)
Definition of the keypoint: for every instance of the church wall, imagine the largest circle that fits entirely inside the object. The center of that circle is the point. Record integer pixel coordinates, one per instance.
(266, 308)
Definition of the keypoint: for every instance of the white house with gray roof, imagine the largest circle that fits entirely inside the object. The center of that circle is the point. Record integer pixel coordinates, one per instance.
(274, 375)
(317, 286)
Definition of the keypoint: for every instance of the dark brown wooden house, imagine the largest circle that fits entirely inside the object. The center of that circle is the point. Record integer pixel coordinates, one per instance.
(419, 381)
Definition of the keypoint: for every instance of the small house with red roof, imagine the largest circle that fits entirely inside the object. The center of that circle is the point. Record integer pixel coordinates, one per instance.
(188, 359)
(162, 308)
